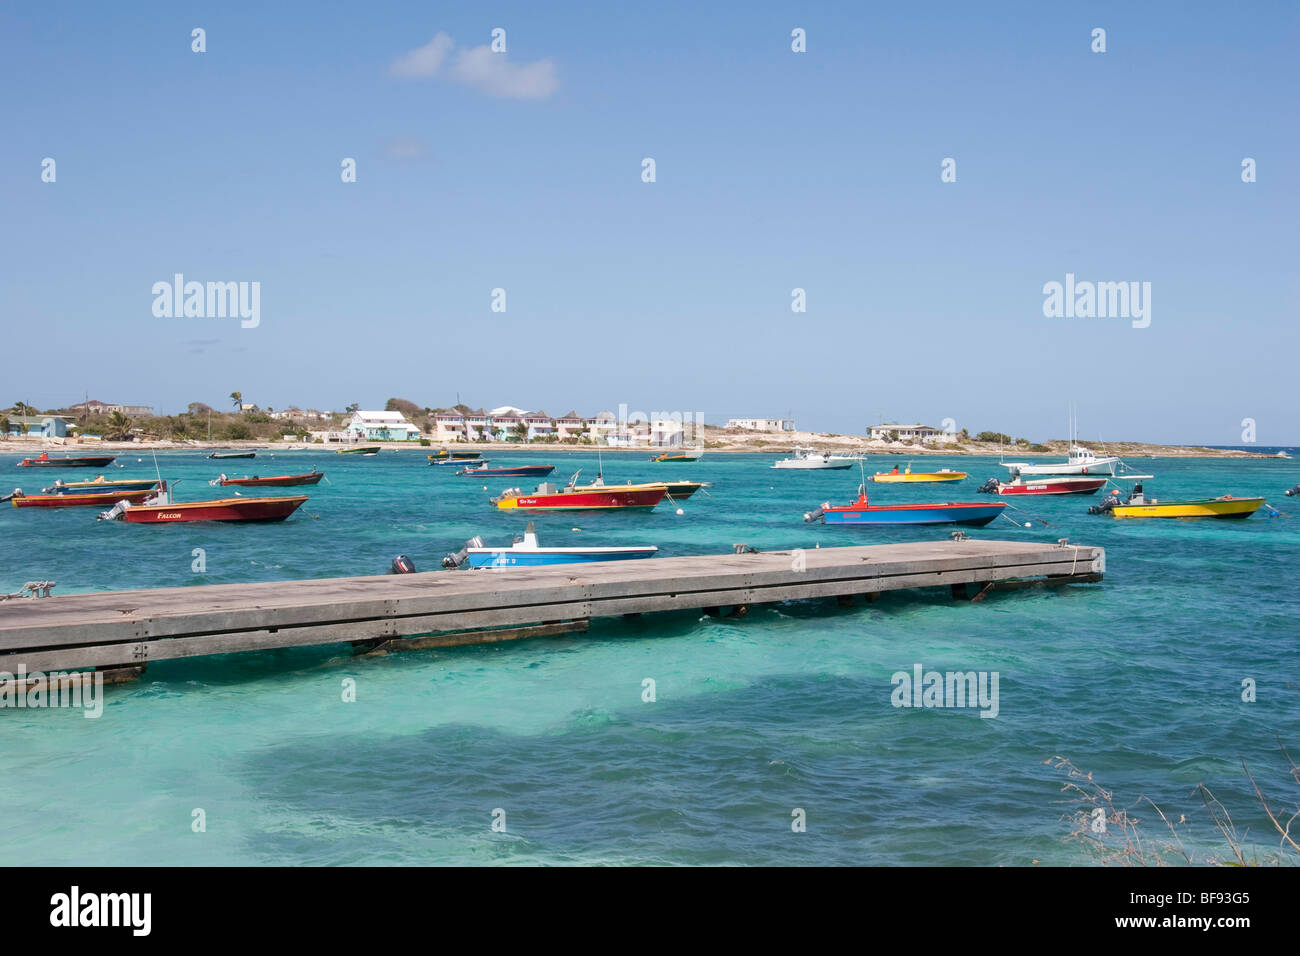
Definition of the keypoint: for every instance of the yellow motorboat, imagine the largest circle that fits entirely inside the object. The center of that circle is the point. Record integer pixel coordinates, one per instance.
(1225, 507)
(943, 474)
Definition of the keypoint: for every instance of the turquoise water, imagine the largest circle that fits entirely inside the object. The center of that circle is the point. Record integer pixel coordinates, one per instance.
(1137, 679)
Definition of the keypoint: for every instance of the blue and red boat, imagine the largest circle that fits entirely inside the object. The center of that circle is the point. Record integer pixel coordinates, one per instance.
(522, 471)
(975, 514)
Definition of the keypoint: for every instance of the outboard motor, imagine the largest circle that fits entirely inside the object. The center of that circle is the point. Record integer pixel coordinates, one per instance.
(814, 515)
(402, 565)
(453, 561)
(18, 493)
(989, 487)
(1106, 505)
(1292, 492)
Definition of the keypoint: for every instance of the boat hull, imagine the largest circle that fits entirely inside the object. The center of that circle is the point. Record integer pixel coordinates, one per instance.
(795, 465)
(366, 450)
(544, 557)
(1198, 508)
(681, 490)
(1063, 485)
(444, 455)
(275, 481)
(524, 471)
(1097, 466)
(222, 509)
(72, 500)
(974, 514)
(95, 487)
(593, 499)
(95, 461)
(222, 455)
(929, 477)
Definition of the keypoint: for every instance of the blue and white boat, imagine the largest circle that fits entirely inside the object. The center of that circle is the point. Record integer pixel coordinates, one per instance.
(525, 552)
(972, 513)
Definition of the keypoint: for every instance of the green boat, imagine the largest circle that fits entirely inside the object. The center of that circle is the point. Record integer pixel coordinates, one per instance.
(367, 450)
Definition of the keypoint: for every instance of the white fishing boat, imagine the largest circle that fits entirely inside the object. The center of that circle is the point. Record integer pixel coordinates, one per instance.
(808, 459)
(1080, 461)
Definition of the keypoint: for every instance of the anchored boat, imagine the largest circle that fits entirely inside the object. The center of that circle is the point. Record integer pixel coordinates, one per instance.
(1137, 505)
(100, 483)
(446, 455)
(574, 497)
(217, 509)
(366, 451)
(273, 481)
(77, 500)
(690, 454)
(975, 514)
(808, 459)
(521, 471)
(1061, 485)
(525, 552)
(233, 454)
(943, 474)
(85, 461)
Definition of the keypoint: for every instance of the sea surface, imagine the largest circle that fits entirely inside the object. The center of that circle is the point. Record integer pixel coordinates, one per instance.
(757, 723)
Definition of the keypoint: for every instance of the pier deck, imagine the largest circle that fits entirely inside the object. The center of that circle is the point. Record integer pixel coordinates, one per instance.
(132, 628)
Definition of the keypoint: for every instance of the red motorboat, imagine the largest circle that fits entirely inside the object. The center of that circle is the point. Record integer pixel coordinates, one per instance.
(71, 500)
(1047, 485)
(274, 481)
(585, 498)
(86, 461)
(218, 509)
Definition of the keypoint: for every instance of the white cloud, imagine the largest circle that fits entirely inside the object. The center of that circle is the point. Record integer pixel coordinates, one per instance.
(425, 60)
(493, 74)
(478, 67)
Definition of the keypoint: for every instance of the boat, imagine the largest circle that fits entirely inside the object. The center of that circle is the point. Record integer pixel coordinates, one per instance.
(368, 451)
(84, 461)
(974, 514)
(1282, 454)
(525, 552)
(519, 471)
(943, 474)
(690, 454)
(273, 481)
(1059, 485)
(806, 459)
(681, 490)
(1138, 505)
(1292, 492)
(1080, 461)
(78, 499)
(233, 454)
(597, 496)
(161, 510)
(444, 454)
(100, 483)
(456, 462)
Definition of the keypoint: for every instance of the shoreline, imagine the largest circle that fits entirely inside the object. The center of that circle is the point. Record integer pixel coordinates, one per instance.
(756, 445)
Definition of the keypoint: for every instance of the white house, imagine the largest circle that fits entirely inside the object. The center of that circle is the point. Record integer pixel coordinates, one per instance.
(910, 433)
(380, 426)
(762, 424)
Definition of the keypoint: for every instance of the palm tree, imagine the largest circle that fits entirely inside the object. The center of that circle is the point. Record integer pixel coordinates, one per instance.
(22, 408)
(238, 399)
(118, 427)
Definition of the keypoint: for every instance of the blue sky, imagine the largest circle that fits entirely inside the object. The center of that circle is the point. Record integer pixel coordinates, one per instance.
(775, 170)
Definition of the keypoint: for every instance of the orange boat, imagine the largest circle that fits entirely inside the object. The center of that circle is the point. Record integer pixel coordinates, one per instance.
(218, 509)
(101, 498)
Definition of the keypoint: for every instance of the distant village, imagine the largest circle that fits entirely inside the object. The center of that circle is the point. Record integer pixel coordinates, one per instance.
(404, 421)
